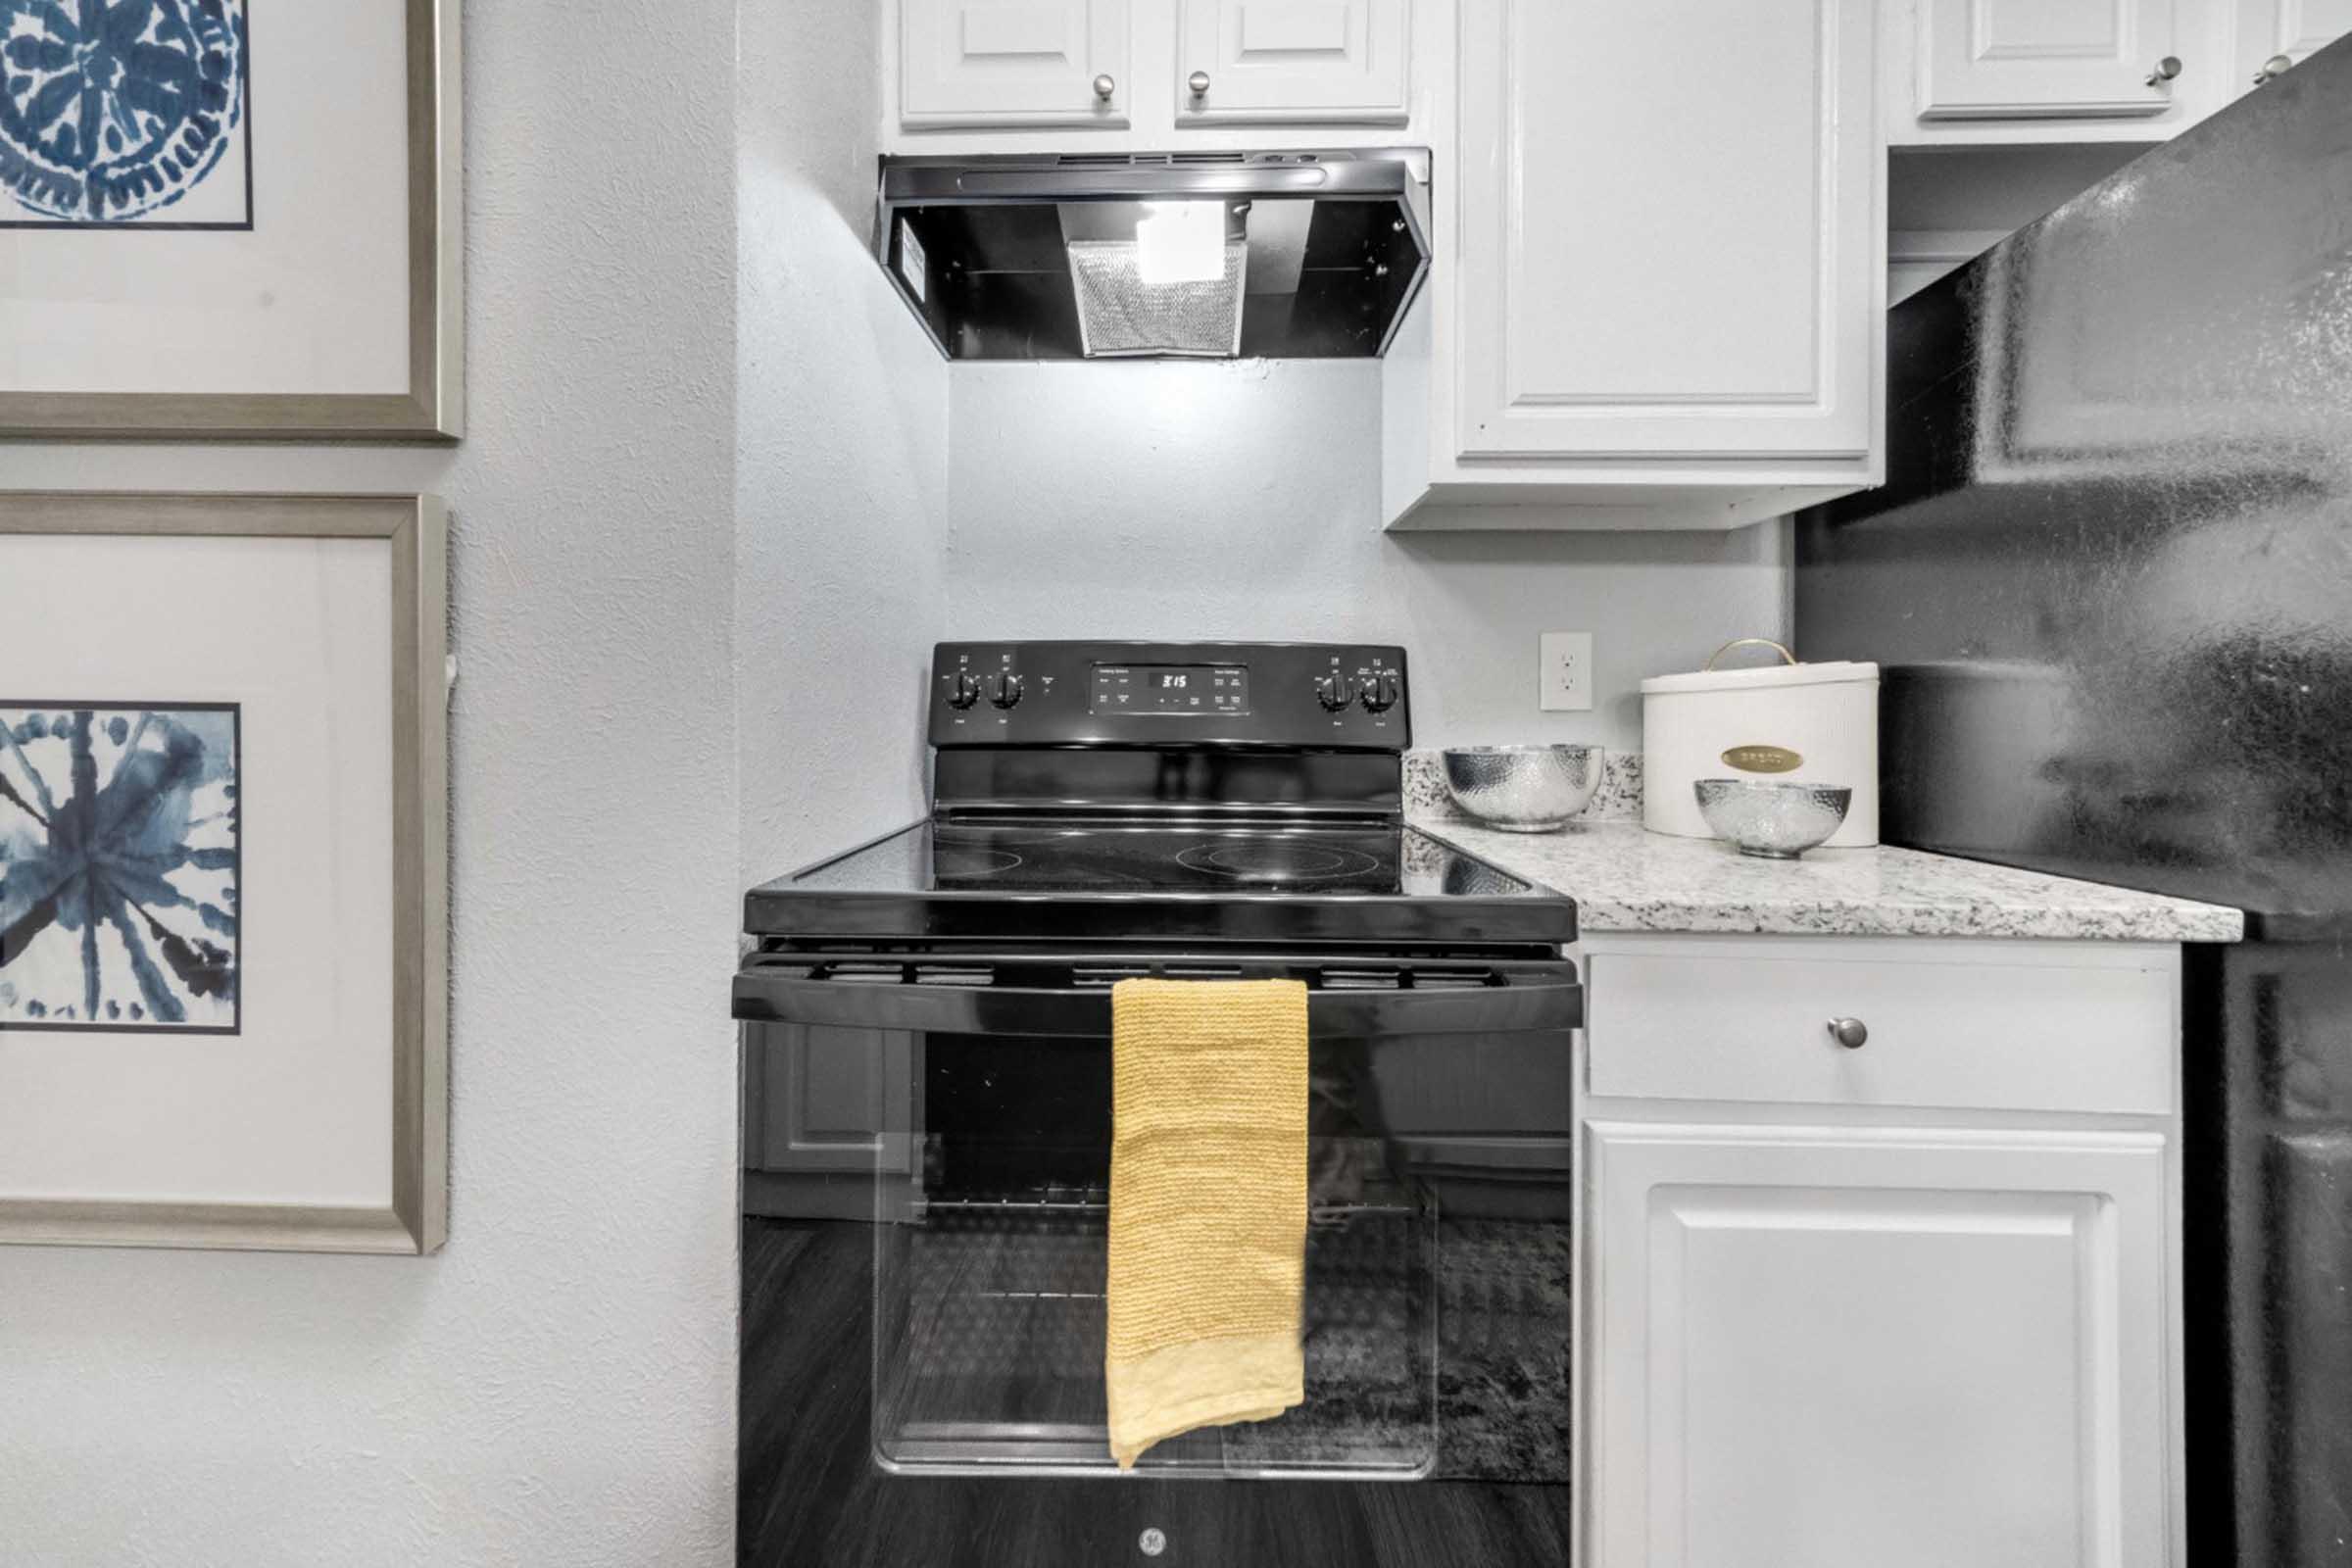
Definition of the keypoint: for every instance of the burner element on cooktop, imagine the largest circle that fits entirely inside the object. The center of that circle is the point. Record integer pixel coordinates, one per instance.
(1276, 860)
(971, 860)
(1058, 862)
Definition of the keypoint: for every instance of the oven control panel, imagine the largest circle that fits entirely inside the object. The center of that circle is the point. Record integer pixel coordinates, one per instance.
(1350, 696)
(1194, 691)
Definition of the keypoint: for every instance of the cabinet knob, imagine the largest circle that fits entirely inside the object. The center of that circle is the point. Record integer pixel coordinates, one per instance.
(2166, 69)
(1104, 86)
(1851, 1033)
(1199, 82)
(2275, 65)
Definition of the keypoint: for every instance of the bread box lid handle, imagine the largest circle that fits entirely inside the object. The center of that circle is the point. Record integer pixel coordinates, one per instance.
(1782, 648)
(1790, 671)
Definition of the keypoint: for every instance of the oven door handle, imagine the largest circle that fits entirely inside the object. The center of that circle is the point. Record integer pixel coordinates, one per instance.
(1548, 997)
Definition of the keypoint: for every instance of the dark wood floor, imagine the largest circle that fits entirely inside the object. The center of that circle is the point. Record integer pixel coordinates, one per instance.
(811, 1494)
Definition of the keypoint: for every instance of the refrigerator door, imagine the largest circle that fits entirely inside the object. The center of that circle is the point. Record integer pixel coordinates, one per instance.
(2110, 581)
(2109, 575)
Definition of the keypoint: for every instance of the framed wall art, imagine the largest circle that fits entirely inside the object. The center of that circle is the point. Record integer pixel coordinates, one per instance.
(223, 871)
(229, 218)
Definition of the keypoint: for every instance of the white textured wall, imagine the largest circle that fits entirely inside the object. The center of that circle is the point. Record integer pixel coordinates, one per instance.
(841, 475)
(1175, 500)
(557, 1385)
(687, 664)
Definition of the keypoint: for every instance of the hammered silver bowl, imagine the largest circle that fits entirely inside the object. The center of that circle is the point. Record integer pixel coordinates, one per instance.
(1522, 789)
(1774, 821)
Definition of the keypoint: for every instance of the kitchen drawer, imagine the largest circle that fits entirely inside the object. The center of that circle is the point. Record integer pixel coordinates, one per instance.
(1982, 1025)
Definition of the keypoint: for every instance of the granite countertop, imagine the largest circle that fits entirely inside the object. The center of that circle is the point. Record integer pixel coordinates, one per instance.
(1624, 878)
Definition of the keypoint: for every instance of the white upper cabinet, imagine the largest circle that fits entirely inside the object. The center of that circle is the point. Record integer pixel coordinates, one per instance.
(1008, 63)
(1243, 61)
(2003, 58)
(1198, 76)
(1678, 262)
(1660, 270)
(1960, 71)
(2293, 28)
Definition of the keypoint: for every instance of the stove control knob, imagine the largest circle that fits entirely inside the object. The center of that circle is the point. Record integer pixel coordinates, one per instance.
(1380, 693)
(1334, 692)
(963, 690)
(1005, 689)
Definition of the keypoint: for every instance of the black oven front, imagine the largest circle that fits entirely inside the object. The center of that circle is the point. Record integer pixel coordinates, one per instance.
(927, 1135)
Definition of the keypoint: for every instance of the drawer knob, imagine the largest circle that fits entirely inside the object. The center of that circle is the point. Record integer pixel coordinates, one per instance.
(1199, 82)
(1851, 1033)
(1104, 86)
(2166, 69)
(2274, 67)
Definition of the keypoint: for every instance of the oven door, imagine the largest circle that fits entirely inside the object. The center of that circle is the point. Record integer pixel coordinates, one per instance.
(1435, 1314)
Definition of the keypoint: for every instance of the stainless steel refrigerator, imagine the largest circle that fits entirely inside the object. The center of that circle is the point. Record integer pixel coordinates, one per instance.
(2111, 583)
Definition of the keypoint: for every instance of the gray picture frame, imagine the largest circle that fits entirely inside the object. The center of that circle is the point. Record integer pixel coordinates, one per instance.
(431, 410)
(415, 529)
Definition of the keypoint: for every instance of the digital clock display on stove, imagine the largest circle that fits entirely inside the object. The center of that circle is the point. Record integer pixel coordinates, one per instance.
(1172, 689)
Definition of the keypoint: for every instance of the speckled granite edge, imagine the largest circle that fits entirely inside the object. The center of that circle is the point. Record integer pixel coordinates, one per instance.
(1626, 879)
(1618, 799)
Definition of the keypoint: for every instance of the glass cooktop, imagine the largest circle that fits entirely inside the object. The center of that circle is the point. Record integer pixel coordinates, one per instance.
(1101, 867)
(1076, 857)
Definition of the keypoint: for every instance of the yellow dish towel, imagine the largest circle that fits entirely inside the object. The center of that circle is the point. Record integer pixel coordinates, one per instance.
(1208, 1205)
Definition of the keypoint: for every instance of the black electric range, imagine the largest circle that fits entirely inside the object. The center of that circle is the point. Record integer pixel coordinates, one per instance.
(928, 1126)
(1155, 792)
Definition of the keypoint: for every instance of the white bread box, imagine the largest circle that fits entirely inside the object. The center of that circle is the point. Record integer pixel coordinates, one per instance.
(1805, 723)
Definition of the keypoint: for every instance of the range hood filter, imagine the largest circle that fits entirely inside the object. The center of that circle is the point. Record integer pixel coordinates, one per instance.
(1121, 315)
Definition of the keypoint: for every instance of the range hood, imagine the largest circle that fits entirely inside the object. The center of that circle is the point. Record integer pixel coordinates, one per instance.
(1292, 254)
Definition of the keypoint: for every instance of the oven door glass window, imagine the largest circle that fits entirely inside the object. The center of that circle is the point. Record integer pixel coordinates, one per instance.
(970, 1131)
(990, 1260)
(1436, 1313)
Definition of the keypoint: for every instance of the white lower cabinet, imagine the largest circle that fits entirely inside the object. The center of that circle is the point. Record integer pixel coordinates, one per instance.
(1914, 1303)
(1848, 1349)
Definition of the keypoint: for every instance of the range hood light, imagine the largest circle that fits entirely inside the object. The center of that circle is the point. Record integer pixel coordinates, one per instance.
(1181, 242)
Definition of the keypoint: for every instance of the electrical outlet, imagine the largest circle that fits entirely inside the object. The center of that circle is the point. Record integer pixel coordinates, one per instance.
(1564, 672)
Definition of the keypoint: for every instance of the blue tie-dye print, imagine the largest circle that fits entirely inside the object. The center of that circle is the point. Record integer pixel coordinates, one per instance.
(120, 859)
(113, 110)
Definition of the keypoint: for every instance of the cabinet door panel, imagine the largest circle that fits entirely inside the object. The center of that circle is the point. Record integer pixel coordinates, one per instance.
(2307, 25)
(2295, 28)
(1276, 60)
(1680, 262)
(1852, 1348)
(822, 1099)
(2008, 59)
(1012, 63)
